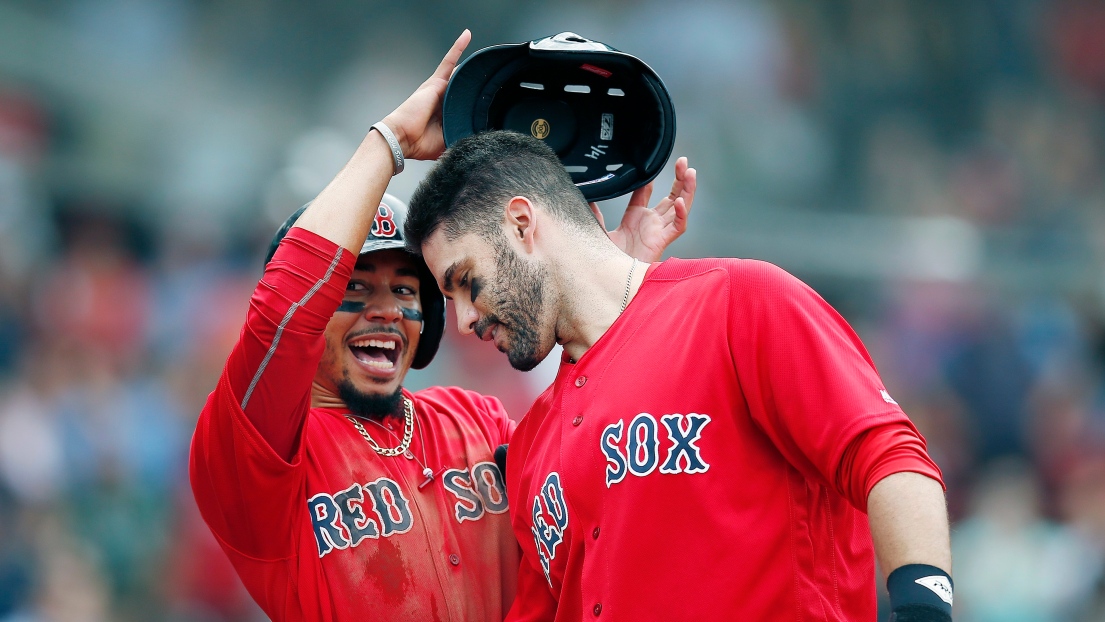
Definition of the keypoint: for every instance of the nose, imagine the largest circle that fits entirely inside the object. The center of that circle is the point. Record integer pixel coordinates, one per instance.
(383, 308)
(466, 317)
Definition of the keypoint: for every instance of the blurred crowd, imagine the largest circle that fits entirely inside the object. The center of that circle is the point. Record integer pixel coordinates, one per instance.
(932, 167)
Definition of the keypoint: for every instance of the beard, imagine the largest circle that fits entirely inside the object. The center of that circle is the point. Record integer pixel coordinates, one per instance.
(369, 405)
(518, 307)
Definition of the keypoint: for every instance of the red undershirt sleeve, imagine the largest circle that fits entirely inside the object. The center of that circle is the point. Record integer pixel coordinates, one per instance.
(879, 452)
(271, 369)
(246, 455)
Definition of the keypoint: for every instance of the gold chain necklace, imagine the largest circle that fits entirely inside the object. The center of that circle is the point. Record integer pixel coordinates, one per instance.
(408, 432)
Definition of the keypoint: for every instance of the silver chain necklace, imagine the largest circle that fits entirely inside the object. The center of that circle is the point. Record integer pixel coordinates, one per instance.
(628, 285)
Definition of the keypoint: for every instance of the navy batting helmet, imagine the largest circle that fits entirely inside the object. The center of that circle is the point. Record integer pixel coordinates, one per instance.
(605, 113)
(386, 233)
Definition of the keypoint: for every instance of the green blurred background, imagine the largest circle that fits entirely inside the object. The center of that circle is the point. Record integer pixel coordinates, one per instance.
(932, 167)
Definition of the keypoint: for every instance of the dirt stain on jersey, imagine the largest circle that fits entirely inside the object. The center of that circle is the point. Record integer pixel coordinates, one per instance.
(388, 568)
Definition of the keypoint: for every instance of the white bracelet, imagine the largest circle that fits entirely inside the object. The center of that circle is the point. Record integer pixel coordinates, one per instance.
(396, 150)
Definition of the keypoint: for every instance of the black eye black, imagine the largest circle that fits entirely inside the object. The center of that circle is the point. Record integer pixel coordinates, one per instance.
(476, 287)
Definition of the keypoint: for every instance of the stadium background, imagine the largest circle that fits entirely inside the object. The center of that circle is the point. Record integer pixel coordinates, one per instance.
(933, 167)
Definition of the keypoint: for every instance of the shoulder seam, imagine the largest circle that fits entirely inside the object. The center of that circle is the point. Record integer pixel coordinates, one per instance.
(702, 271)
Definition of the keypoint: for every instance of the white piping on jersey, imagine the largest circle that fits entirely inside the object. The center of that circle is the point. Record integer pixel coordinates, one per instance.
(288, 316)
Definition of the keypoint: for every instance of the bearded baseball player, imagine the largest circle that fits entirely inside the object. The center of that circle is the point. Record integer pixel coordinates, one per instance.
(337, 494)
(717, 444)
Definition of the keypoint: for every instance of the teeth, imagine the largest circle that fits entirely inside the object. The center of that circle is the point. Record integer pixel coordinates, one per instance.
(374, 343)
(382, 365)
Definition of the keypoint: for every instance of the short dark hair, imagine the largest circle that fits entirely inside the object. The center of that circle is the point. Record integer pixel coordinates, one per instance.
(467, 188)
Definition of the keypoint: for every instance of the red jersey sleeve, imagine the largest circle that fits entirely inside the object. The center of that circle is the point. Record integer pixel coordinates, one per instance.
(245, 456)
(533, 601)
(885, 450)
(503, 424)
(810, 383)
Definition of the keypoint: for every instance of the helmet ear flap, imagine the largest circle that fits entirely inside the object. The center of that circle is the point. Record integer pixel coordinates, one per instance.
(433, 320)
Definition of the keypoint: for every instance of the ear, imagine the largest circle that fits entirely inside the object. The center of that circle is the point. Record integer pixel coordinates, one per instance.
(521, 221)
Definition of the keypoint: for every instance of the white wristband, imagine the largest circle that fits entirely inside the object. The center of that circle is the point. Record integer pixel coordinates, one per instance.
(396, 150)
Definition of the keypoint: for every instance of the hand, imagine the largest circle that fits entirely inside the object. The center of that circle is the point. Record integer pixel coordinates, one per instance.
(416, 123)
(645, 233)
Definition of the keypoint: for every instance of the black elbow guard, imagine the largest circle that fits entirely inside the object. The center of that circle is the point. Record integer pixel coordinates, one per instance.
(920, 593)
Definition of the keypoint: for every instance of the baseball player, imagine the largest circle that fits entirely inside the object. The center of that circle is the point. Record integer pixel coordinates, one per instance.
(337, 494)
(717, 444)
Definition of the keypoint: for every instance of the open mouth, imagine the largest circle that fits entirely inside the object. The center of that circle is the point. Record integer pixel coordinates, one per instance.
(377, 352)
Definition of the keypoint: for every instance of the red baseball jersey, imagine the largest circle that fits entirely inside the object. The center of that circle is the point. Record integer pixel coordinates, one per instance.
(331, 530)
(689, 465)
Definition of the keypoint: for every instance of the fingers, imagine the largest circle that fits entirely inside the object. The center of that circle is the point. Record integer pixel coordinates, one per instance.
(445, 68)
(680, 178)
(598, 215)
(690, 184)
(681, 210)
(641, 196)
(680, 167)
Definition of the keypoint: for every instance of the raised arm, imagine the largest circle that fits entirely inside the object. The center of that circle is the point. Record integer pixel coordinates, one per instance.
(646, 233)
(344, 210)
(272, 367)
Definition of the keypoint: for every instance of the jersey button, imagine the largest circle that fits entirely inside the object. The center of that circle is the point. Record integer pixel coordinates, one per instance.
(582, 380)
(578, 420)
(454, 559)
(598, 608)
(595, 533)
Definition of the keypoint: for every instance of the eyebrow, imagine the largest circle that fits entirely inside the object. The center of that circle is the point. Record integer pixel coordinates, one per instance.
(448, 277)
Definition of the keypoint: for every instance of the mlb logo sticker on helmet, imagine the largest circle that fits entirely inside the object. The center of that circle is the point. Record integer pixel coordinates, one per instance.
(567, 91)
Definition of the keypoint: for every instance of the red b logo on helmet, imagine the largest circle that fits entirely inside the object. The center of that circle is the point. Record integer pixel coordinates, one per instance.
(383, 226)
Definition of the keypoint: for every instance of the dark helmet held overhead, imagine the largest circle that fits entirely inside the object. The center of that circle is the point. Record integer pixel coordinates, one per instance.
(387, 233)
(605, 113)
